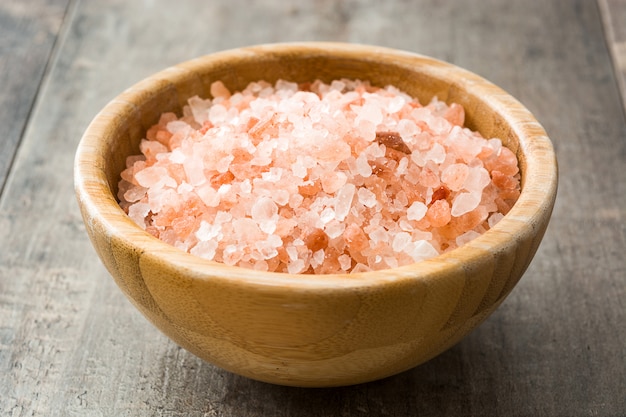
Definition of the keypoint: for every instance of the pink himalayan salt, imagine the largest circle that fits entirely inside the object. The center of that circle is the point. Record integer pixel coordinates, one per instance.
(317, 178)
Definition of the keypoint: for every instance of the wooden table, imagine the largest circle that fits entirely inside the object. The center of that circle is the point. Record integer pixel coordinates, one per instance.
(71, 344)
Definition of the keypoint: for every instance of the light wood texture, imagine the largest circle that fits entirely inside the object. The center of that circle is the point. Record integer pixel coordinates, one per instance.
(71, 344)
(314, 330)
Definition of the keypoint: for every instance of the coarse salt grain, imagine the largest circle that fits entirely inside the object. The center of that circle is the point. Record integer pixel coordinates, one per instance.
(319, 178)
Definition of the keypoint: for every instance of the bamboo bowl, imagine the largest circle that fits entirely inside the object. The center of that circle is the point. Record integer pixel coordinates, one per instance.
(304, 330)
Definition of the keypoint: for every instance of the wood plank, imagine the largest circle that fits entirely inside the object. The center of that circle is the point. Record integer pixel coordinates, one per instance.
(614, 16)
(70, 344)
(28, 30)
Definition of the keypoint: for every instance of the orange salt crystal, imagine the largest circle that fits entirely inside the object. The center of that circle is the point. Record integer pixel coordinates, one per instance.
(316, 240)
(317, 178)
(393, 140)
(438, 213)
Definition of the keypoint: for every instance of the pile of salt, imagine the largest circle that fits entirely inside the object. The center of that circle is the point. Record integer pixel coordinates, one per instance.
(317, 178)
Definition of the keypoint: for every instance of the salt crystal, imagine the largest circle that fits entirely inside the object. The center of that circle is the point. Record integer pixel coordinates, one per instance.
(466, 237)
(318, 258)
(416, 211)
(345, 262)
(464, 203)
(205, 249)
(344, 201)
(327, 215)
(366, 197)
(400, 241)
(296, 266)
(358, 268)
(420, 250)
(138, 212)
(358, 175)
(454, 176)
(135, 194)
(334, 228)
(265, 212)
(494, 219)
(363, 167)
(292, 252)
(208, 231)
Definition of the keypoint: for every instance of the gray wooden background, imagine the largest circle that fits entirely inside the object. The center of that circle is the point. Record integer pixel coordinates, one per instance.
(72, 345)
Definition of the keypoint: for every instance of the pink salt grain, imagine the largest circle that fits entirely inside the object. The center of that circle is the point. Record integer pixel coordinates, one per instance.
(319, 178)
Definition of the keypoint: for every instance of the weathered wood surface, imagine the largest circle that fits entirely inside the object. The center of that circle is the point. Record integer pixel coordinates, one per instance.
(28, 30)
(71, 344)
(614, 15)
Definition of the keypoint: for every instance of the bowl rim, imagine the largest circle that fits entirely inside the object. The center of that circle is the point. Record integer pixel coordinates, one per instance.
(538, 193)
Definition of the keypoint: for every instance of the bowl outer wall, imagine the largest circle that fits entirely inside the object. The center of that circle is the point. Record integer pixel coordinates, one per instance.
(314, 330)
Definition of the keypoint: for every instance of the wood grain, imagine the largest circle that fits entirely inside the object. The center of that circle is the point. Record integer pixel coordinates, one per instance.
(614, 16)
(70, 343)
(28, 30)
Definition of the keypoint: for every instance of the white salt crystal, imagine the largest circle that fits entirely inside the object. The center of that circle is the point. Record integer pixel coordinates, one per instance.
(150, 176)
(402, 166)
(379, 234)
(400, 241)
(208, 195)
(344, 201)
(281, 197)
(199, 108)
(345, 262)
(292, 252)
(464, 203)
(177, 126)
(359, 267)
(416, 211)
(366, 197)
(177, 156)
(327, 215)
(437, 154)
(407, 128)
(477, 179)
(231, 255)
(466, 237)
(296, 266)
(205, 249)
(295, 200)
(334, 228)
(208, 231)
(363, 167)
(405, 226)
(184, 188)
(135, 193)
(245, 186)
(138, 212)
(390, 261)
(224, 189)
(265, 212)
(494, 219)
(420, 250)
(265, 250)
(194, 170)
(261, 265)
(224, 163)
(396, 104)
(318, 258)
(222, 217)
(298, 169)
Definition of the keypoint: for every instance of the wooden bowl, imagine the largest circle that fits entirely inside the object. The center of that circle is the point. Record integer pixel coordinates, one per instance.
(323, 330)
